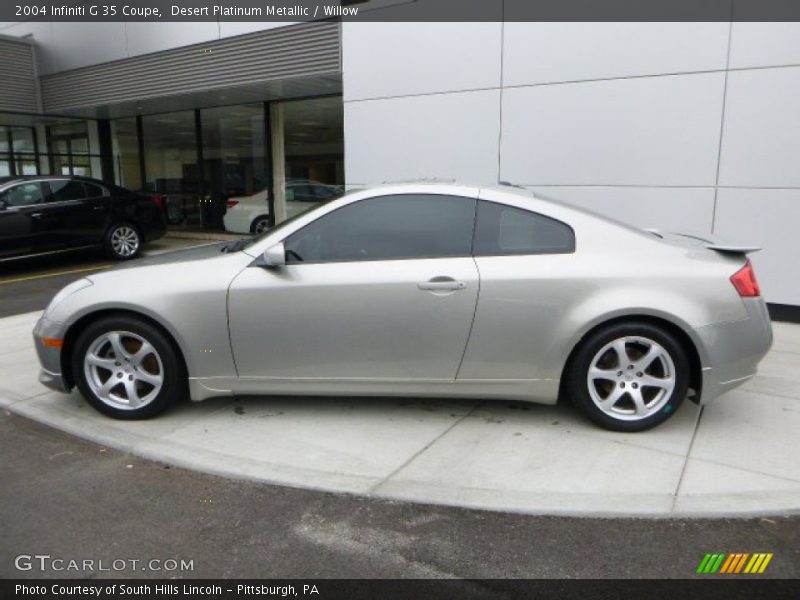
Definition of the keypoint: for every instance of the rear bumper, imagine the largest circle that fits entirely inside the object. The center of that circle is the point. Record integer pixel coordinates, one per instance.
(733, 350)
(154, 231)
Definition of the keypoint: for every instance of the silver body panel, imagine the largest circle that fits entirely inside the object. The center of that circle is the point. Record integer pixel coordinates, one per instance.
(367, 328)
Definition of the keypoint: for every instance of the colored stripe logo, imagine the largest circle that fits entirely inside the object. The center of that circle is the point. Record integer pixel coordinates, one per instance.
(734, 563)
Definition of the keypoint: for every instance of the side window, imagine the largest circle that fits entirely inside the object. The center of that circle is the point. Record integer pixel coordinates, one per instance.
(93, 191)
(387, 228)
(501, 229)
(23, 194)
(65, 189)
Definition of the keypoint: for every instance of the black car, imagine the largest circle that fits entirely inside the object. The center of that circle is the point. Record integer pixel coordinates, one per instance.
(51, 213)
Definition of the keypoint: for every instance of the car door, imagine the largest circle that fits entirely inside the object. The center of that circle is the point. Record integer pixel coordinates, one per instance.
(73, 217)
(22, 220)
(527, 262)
(381, 288)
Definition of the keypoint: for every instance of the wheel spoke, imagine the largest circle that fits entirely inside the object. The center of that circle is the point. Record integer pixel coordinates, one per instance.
(657, 382)
(604, 374)
(653, 353)
(143, 352)
(106, 388)
(103, 363)
(621, 352)
(116, 344)
(609, 401)
(638, 402)
(133, 395)
(154, 380)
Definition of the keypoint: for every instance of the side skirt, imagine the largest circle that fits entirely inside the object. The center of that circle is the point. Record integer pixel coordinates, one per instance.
(544, 391)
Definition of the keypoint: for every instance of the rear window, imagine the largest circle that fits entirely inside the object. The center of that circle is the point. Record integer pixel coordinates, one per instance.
(93, 191)
(507, 230)
(66, 189)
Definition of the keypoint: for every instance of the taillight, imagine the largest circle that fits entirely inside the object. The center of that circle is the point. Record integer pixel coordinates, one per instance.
(232, 203)
(744, 280)
(159, 200)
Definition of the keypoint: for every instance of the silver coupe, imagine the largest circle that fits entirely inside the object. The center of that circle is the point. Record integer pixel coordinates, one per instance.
(420, 290)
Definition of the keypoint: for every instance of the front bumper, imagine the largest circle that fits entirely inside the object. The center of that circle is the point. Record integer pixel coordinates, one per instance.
(733, 350)
(50, 357)
(55, 381)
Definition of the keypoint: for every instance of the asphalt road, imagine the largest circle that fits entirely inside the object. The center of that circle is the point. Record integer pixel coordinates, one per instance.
(71, 499)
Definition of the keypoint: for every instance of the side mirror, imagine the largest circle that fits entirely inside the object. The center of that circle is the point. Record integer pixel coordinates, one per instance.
(275, 256)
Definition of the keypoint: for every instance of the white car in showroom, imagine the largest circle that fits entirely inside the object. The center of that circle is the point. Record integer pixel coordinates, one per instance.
(250, 214)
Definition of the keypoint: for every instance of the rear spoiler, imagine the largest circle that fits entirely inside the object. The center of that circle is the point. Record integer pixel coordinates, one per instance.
(733, 248)
(711, 242)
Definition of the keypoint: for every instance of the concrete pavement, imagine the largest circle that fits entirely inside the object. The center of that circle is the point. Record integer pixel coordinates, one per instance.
(735, 457)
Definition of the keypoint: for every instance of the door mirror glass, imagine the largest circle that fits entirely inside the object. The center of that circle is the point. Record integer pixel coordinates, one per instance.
(275, 256)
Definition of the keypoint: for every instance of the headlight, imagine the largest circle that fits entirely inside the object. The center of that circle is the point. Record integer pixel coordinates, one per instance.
(66, 292)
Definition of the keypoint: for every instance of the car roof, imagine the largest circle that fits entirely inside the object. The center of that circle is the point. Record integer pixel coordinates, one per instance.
(12, 178)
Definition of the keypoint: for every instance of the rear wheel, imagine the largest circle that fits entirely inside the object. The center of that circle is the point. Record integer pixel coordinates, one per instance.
(126, 368)
(629, 376)
(123, 241)
(259, 225)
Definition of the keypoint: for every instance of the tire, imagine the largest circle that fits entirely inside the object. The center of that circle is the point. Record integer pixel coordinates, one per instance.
(636, 393)
(123, 241)
(259, 224)
(147, 382)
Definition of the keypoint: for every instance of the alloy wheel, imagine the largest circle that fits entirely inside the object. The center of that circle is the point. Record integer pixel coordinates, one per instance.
(123, 370)
(631, 378)
(261, 226)
(125, 241)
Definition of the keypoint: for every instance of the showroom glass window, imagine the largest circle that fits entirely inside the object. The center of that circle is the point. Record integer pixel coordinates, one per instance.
(18, 151)
(171, 165)
(234, 157)
(502, 230)
(125, 150)
(69, 149)
(387, 228)
(313, 145)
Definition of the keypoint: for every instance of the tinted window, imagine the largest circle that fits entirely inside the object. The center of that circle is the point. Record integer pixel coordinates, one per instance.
(23, 194)
(388, 227)
(66, 189)
(502, 229)
(93, 191)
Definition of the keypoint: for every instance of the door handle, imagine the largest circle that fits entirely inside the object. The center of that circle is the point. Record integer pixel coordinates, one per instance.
(441, 284)
(98, 208)
(36, 215)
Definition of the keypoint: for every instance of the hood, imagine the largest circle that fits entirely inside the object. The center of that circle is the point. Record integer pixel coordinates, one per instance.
(187, 255)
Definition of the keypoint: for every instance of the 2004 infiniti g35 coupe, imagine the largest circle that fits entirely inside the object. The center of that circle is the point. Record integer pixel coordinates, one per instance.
(420, 290)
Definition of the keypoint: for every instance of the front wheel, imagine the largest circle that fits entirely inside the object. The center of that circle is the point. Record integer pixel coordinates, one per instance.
(628, 377)
(123, 241)
(126, 368)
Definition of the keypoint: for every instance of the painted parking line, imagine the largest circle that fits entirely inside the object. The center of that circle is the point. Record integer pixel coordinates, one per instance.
(55, 274)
